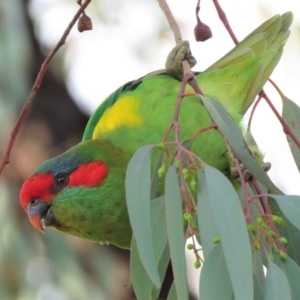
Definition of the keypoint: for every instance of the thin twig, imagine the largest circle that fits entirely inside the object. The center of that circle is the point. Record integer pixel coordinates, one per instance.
(253, 110)
(37, 85)
(285, 126)
(172, 23)
(224, 20)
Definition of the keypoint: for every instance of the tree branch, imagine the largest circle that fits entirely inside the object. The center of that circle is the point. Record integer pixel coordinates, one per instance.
(37, 84)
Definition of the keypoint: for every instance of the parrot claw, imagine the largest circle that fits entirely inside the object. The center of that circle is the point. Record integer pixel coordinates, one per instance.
(179, 53)
(266, 166)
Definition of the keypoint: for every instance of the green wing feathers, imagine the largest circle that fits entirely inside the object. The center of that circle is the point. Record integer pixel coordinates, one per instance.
(266, 43)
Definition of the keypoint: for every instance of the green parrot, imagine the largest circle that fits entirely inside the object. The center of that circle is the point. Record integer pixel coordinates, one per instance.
(82, 191)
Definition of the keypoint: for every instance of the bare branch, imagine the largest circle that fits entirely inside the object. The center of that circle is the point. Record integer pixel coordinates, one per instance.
(37, 85)
(224, 20)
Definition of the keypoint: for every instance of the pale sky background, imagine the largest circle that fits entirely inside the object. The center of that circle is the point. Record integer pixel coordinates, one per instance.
(101, 60)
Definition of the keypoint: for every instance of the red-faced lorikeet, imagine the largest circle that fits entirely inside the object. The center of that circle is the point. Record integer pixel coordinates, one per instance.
(82, 193)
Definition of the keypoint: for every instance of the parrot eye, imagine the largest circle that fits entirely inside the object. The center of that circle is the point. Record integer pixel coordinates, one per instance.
(33, 202)
(61, 180)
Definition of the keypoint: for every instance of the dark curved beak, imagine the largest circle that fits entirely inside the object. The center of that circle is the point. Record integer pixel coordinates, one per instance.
(40, 214)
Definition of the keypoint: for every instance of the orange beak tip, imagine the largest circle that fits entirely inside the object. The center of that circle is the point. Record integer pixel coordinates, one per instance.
(36, 222)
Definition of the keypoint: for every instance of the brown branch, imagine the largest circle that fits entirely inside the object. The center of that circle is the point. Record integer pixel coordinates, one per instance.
(172, 23)
(224, 20)
(37, 85)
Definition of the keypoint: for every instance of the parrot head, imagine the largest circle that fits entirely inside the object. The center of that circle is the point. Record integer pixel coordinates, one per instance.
(81, 192)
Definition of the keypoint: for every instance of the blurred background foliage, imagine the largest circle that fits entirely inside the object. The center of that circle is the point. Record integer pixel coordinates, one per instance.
(56, 266)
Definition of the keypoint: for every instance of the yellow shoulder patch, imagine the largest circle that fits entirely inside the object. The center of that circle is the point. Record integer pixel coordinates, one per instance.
(123, 112)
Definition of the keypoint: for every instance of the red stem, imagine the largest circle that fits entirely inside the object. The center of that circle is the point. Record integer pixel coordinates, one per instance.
(253, 110)
(197, 10)
(285, 126)
(224, 20)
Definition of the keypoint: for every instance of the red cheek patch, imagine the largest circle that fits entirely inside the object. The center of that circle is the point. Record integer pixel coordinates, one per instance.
(90, 174)
(38, 186)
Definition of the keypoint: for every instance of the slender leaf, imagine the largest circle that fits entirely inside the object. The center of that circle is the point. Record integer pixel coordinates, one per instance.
(206, 223)
(172, 293)
(258, 292)
(291, 114)
(276, 284)
(292, 273)
(174, 221)
(142, 284)
(290, 206)
(258, 275)
(162, 268)
(138, 186)
(215, 283)
(235, 139)
(159, 230)
(161, 247)
(228, 214)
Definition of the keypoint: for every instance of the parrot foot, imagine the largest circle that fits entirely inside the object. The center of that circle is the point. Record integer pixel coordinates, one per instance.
(246, 174)
(179, 53)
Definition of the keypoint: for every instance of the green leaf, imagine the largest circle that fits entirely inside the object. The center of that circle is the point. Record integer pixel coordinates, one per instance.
(228, 214)
(215, 283)
(258, 293)
(292, 273)
(258, 275)
(291, 114)
(175, 231)
(142, 284)
(162, 268)
(276, 284)
(138, 186)
(235, 139)
(206, 223)
(161, 247)
(290, 206)
(172, 293)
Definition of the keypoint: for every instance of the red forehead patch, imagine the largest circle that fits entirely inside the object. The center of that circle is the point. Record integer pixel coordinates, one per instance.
(90, 174)
(38, 186)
